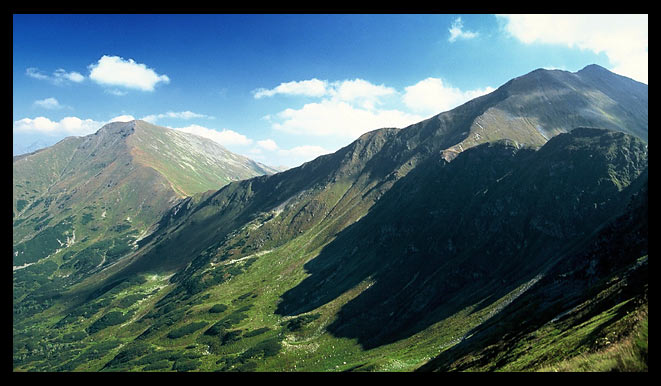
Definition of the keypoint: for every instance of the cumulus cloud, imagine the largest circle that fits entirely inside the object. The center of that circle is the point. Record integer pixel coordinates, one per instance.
(432, 96)
(457, 32)
(348, 108)
(339, 118)
(360, 91)
(224, 137)
(118, 72)
(313, 87)
(346, 90)
(59, 77)
(622, 38)
(81, 127)
(268, 152)
(267, 144)
(66, 126)
(172, 114)
(48, 103)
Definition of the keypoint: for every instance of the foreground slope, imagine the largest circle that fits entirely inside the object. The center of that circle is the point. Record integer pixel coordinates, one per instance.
(588, 312)
(376, 257)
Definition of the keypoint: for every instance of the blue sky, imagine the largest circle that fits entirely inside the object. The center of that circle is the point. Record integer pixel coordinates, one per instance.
(283, 89)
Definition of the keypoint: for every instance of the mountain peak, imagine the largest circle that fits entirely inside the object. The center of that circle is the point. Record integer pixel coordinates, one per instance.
(120, 128)
(593, 68)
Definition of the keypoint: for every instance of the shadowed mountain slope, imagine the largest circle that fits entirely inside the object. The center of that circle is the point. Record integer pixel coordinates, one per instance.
(404, 241)
(450, 236)
(527, 111)
(591, 298)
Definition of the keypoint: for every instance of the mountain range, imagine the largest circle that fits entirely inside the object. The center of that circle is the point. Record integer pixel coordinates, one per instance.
(509, 233)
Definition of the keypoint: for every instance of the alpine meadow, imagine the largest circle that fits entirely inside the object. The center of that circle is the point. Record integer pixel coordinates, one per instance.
(508, 233)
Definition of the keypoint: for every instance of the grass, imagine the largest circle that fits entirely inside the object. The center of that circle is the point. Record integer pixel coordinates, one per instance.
(255, 293)
(628, 355)
(247, 299)
(302, 342)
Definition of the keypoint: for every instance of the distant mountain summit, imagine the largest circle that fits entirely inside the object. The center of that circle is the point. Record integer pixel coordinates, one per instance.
(192, 164)
(127, 174)
(532, 108)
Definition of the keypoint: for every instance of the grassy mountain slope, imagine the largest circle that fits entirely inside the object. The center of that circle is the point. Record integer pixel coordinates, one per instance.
(376, 257)
(585, 314)
(539, 105)
(82, 204)
(512, 210)
(190, 163)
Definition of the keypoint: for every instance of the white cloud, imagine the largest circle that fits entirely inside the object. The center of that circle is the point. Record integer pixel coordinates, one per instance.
(34, 73)
(359, 89)
(432, 96)
(306, 152)
(268, 152)
(122, 118)
(346, 90)
(66, 126)
(49, 103)
(349, 108)
(332, 117)
(224, 137)
(60, 76)
(171, 114)
(457, 32)
(115, 71)
(622, 38)
(114, 91)
(267, 144)
(313, 87)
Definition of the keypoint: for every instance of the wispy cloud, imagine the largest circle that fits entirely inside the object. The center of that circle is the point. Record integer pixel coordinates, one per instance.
(457, 31)
(172, 114)
(623, 38)
(59, 76)
(35, 73)
(114, 91)
(48, 103)
(115, 71)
